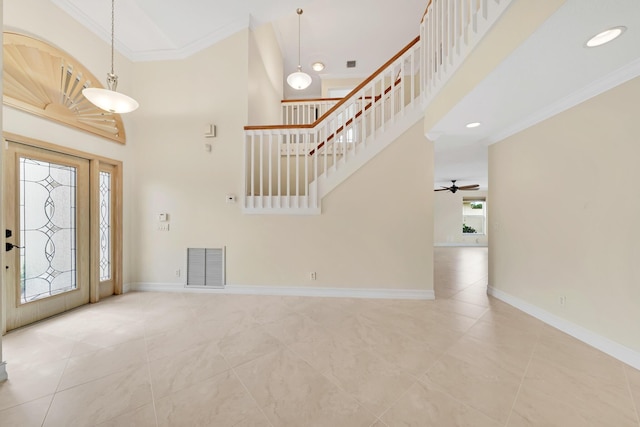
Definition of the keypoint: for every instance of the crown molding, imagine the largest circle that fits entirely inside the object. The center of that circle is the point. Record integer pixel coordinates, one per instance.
(597, 87)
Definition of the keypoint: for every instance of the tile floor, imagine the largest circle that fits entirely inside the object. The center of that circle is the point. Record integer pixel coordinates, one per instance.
(153, 359)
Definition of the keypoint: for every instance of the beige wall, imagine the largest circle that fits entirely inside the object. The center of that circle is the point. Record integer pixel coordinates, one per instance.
(174, 173)
(358, 242)
(265, 77)
(580, 169)
(447, 220)
(338, 84)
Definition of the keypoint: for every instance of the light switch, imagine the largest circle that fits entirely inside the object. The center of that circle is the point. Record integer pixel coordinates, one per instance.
(162, 217)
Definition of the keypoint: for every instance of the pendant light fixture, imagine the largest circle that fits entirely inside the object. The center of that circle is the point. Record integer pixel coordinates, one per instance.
(299, 80)
(109, 99)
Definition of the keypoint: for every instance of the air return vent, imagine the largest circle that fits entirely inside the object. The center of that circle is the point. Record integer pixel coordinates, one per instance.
(205, 267)
(351, 64)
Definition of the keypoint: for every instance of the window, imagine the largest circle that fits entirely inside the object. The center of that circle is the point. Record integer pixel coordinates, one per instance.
(474, 215)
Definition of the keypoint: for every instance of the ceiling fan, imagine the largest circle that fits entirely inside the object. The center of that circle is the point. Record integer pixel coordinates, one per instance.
(455, 188)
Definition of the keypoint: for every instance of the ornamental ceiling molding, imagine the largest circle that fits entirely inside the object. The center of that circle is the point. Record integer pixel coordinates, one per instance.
(45, 81)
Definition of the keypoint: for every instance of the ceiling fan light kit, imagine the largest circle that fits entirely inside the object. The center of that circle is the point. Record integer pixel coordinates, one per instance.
(454, 188)
(108, 99)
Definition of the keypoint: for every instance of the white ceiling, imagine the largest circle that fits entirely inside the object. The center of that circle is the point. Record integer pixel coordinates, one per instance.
(332, 31)
(549, 72)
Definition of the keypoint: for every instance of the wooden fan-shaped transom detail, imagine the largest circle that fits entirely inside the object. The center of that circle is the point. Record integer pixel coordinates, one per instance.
(43, 80)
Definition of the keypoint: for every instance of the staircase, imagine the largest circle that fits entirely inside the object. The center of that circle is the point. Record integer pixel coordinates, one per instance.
(289, 168)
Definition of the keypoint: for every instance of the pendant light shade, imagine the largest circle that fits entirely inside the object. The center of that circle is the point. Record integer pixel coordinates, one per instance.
(108, 99)
(299, 80)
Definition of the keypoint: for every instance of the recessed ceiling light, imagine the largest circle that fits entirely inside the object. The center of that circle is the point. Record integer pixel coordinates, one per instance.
(317, 66)
(605, 36)
(473, 125)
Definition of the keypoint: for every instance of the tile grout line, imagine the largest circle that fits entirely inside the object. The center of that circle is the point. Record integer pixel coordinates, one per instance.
(247, 389)
(446, 392)
(524, 376)
(153, 397)
(334, 383)
(633, 401)
(323, 374)
(392, 404)
(58, 385)
(418, 377)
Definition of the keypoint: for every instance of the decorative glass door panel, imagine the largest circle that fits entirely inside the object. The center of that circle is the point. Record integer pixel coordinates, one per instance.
(106, 233)
(105, 226)
(47, 209)
(47, 229)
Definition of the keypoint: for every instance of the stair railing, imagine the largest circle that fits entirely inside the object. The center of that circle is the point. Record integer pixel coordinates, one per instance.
(453, 28)
(284, 162)
(305, 111)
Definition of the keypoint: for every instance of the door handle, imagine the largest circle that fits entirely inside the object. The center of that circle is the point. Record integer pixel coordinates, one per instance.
(9, 246)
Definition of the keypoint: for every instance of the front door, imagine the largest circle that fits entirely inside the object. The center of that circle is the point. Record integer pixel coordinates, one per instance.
(47, 214)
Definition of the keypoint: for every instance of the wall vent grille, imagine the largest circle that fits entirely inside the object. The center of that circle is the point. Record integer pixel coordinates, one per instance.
(206, 267)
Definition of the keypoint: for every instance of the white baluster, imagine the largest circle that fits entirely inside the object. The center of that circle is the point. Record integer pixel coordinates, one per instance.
(288, 166)
(271, 168)
(306, 167)
(298, 135)
(253, 168)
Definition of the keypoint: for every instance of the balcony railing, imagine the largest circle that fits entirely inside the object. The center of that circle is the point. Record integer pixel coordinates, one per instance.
(287, 166)
(285, 162)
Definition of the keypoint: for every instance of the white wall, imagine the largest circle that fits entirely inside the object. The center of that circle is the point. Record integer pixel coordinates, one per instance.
(580, 169)
(447, 220)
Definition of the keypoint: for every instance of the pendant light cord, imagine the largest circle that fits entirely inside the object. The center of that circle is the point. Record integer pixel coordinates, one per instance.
(112, 30)
(299, 11)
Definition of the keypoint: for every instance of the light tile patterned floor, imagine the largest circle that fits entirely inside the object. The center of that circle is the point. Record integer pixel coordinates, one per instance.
(152, 359)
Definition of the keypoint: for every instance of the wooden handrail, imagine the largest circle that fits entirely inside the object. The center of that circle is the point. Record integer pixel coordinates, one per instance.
(284, 101)
(425, 11)
(358, 114)
(344, 100)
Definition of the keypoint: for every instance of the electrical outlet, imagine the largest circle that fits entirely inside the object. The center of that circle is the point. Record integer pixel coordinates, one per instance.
(178, 273)
(563, 300)
(312, 275)
(163, 226)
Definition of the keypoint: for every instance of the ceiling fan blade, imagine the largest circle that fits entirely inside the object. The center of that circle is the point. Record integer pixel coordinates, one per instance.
(469, 187)
(441, 189)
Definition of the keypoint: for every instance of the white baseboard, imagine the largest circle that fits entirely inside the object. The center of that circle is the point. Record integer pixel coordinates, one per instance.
(612, 348)
(415, 294)
(3, 371)
(126, 288)
(460, 244)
